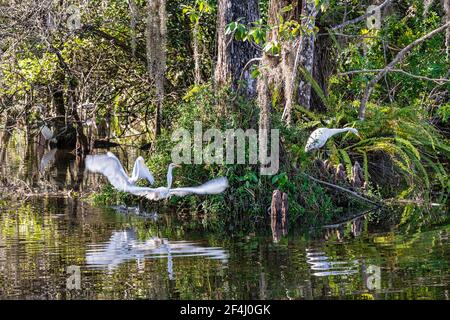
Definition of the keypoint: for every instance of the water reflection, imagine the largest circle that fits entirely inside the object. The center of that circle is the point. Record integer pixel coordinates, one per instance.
(323, 266)
(139, 210)
(124, 246)
(127, 253)
(29, 167)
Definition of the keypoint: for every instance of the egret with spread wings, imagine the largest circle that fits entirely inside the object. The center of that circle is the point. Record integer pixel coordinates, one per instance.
(110, 166)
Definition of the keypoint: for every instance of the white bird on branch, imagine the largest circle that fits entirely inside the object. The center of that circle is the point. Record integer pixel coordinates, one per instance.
(320, 136)
(110, 166)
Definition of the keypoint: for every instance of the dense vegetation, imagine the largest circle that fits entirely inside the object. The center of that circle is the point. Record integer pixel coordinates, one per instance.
(132, 72)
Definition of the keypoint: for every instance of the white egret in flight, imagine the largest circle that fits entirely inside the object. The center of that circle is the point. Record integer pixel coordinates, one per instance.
(48, 134)
(110, 166)
(320, 136)
(140, 170)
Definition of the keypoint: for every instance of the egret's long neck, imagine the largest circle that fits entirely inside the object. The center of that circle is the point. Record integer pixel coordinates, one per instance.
(169, 177)
(333, 132)
(336, 131)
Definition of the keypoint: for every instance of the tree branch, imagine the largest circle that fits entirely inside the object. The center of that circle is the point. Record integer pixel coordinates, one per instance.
(361, 18)
(356, 195)
(399, 57)
(436, 80)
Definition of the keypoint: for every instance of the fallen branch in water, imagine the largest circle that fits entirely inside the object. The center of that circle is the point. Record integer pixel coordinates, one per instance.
(337, 224)
(356, 195)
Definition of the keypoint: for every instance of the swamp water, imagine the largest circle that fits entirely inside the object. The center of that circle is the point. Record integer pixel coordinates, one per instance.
(58, 247)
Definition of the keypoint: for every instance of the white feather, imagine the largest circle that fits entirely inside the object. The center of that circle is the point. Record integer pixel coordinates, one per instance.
(140, 171)
(214, 186)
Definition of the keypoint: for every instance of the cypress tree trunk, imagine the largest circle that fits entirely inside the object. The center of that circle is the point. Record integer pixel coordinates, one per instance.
(133, 22)
(447, 32)
(233, 56)
(62, 127)
(82, 141)
(156, 53)
(276, 72)
(309, 10)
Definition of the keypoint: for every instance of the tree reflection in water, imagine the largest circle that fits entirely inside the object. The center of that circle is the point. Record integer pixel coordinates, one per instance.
(123, 255)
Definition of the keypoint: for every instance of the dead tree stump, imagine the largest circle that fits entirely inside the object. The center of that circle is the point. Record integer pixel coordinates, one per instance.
(340, 173)
(279, 215)
(357, 176)
(275, 209)
(328, 166)
(284, 214)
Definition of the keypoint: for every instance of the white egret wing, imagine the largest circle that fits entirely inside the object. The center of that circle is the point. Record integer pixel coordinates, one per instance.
(109, 166)
(149, 193)
(141, 171)
(214, 186)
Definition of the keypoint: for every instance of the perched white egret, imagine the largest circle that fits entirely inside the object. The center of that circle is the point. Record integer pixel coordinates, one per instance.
(110, 166)
(48, 134)
(320, 136)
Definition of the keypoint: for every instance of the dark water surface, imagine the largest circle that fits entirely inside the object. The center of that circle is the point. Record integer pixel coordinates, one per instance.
(44, 241)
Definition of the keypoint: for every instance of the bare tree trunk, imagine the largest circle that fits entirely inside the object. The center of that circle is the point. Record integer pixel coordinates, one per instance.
(304, 58)
(233, 55)
(264, 104)
(133, 22)
(156, 52)
(307, 52)
(82, 141)
(447, 32)
(195, 40)
(276, 71)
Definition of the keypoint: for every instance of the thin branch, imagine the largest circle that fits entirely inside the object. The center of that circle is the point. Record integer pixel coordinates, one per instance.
(399, 57)
(356, 195)
(361, 18)
(436, 80)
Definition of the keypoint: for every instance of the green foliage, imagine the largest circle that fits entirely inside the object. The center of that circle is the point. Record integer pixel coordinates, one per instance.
(404, 149)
